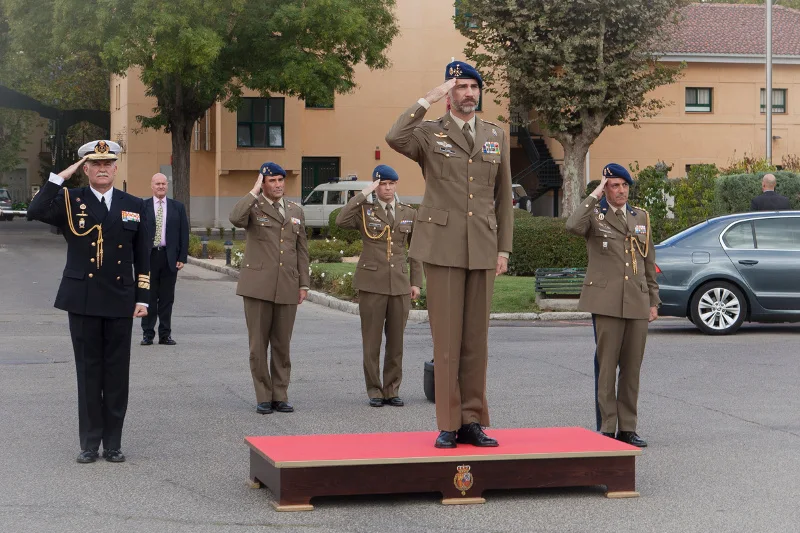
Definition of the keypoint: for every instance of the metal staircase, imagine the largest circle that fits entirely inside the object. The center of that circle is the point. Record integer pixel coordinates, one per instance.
(543, 166)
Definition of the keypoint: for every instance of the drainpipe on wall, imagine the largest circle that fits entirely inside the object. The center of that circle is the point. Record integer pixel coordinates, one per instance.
(768, 95)
(588, 170)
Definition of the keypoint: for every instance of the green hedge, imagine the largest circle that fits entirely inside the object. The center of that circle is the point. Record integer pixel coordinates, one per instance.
(732, 194)
(334, 231)
(332, 250)
(543, 242)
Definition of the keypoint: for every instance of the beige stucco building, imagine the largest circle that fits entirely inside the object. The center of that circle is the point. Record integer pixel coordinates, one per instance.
(714, 115)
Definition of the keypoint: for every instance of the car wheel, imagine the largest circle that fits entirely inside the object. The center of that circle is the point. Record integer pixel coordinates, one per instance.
(718, 308)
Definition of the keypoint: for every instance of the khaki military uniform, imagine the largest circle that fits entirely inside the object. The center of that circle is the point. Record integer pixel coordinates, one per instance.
(464, 221)
(274, 268)
(384, 289)
(619, 290)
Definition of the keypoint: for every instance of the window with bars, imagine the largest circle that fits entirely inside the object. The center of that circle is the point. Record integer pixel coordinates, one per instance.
(260, 123)
(778, 100)
(698, 100)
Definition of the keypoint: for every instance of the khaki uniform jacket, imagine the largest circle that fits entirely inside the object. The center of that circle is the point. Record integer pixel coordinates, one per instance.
(275, 263)
(611, 288)
(375, 271)
(466, 214)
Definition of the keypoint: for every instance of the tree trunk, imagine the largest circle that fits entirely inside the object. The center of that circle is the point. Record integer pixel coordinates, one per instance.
(181, 150)
(574, 176)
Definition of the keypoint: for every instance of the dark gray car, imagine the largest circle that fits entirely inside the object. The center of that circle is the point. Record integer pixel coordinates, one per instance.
(729, 269)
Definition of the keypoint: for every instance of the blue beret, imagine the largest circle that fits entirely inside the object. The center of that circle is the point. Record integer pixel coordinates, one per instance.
(384, 172)
(459, 69)
(613, 170)
(272, 169)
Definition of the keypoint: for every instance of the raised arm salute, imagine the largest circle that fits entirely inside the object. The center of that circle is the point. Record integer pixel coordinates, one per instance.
(105, 283)
(463, 238)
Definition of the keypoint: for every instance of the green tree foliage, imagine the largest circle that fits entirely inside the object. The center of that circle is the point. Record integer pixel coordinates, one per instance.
(14, 128)
(732, 193)
(748, 164)
(193, 53)
(580, 66)
(694, 195)
(653, 186)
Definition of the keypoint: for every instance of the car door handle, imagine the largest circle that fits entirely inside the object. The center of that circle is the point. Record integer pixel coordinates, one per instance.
(748, 262)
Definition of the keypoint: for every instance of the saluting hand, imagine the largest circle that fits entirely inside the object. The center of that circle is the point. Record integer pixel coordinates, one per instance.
(437, 93)
(70, 170)
(140, 311)
(601, 189)
(257, 187)
(369, 189)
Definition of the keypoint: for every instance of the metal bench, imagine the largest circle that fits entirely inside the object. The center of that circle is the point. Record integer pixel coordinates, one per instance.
(557, 282)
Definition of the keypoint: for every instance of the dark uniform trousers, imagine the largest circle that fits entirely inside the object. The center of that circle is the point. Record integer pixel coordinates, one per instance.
(620, 344)
(102, 369)
(460, 342)
(381, 312)
(99, 288)
(162, 295)
(270, 325)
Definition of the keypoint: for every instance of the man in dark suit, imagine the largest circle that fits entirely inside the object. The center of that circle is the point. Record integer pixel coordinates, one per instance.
(169, 226)
(769, 200)
(105, 286)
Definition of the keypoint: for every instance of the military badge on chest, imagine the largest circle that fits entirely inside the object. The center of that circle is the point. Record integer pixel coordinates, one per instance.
(82, 215)
(490, 147)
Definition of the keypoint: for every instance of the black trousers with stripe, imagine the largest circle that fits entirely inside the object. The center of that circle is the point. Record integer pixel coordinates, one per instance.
(102, 362)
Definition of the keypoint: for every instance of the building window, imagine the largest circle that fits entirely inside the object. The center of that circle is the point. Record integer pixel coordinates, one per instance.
(698, 100)
(778, 100)
(260, 123)
(463, 19)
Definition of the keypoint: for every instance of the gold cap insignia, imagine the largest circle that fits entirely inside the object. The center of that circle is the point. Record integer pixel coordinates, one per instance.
(456, 71)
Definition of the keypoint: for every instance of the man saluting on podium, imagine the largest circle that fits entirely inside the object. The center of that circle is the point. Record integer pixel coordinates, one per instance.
(105, 285)
(463, 238)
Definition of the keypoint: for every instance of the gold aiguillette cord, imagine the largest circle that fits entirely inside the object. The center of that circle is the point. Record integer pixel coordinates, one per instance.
(98, 227)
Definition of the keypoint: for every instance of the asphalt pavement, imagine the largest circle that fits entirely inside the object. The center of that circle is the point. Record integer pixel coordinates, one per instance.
(722, 415)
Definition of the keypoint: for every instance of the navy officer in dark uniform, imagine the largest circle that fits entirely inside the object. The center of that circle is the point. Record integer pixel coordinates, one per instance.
(105, 285)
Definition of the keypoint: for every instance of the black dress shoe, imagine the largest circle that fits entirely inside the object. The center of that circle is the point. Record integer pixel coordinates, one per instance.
(113, 456)
(632, 438)
(167, 340)
(376, 402)
(446, 439)
(147, 341)
(87, 456)
(394, 402)
(473, 434)
(609, 435)
(283, 407)
(264, 408)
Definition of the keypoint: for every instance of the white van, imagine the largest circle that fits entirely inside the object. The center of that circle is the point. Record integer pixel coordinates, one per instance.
(327, 197)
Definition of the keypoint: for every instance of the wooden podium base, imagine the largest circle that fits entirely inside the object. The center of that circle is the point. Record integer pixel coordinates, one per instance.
(298, 468)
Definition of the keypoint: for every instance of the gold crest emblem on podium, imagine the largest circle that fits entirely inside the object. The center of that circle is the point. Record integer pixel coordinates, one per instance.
(463, 479)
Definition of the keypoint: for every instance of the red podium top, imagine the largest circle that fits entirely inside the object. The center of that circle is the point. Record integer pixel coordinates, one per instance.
(417, 447)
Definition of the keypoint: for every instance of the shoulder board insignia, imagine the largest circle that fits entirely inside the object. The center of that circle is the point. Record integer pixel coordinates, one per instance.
(492, 123)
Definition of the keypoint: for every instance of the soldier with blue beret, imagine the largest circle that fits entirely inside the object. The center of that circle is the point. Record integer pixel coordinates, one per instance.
(273, 281)
(463, 238)
(385, 289)
(621, 292)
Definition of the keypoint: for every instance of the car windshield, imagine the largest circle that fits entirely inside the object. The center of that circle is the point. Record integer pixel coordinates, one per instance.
(4, 195)
(315, 198)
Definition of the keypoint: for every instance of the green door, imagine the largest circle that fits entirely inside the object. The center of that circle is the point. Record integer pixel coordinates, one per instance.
(318, 170)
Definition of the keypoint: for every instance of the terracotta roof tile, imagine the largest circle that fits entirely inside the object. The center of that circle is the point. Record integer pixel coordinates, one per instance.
(734, 29)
